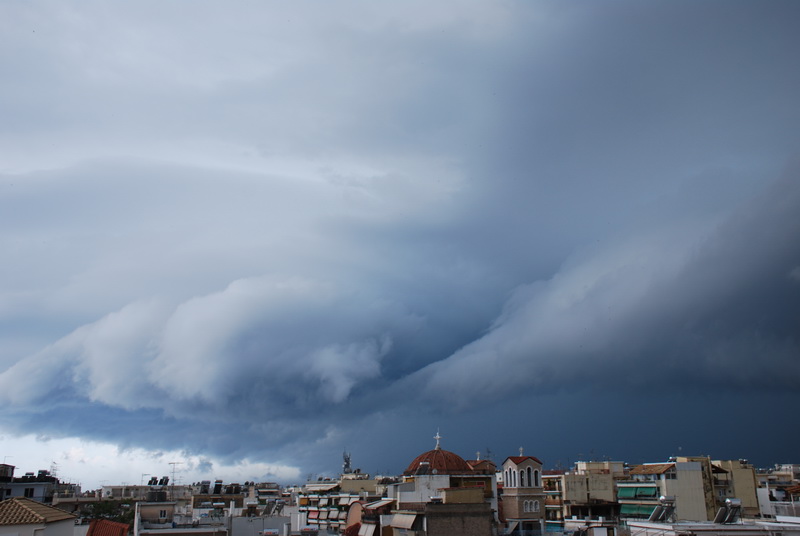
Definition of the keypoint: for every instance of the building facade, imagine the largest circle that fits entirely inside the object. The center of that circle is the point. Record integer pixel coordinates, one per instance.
(523, 494)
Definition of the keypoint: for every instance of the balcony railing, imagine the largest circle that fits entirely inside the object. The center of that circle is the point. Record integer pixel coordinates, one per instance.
(784, 508)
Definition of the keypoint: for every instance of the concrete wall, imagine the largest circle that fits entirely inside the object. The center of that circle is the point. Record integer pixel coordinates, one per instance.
(41, 490)
(575, 488)
(461, 519)
(743, 482)
(58, 528)
(764, 504)
(424, 487)
(250, 526)
(687, 488)
(462, 495)
(601, 487)
(357, 486)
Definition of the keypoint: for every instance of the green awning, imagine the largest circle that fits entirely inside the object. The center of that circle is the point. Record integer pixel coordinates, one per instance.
(628, 509)
(646, 492)
(639, 510)
(626, 493)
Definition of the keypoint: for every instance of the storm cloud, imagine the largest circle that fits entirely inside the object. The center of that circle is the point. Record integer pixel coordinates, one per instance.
(320, 227)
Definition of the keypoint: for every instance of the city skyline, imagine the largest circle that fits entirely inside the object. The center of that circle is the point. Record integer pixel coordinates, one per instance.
(248, 237)
(188, 471)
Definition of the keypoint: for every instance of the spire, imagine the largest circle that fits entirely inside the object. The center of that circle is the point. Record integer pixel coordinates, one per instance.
(478, 456)
(437, 437)
(520, 452)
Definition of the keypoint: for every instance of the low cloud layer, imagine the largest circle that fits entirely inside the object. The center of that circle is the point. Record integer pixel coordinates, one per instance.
(262, 232)
(694, 306)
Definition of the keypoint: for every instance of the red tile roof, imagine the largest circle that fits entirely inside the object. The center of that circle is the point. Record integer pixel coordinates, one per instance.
(438, 461)
(652, 468)
(519, 459)
(22, 511)
(792, 490)
(104, 527)
(485, 466)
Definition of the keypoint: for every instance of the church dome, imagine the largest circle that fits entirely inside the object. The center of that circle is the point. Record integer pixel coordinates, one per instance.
(438, 462)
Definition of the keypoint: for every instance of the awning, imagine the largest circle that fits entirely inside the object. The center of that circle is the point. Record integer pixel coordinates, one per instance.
(378, 504)
(366, 530)
(647, 492)
(313, 514)
(316, 487)
(643, 510)
(646, 509)
(403, 521)
(323, 501)
(637, 491)
(323, 514)
(511, 526)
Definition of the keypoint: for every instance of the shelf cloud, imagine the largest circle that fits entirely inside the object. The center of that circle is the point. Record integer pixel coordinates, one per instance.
(264, 233)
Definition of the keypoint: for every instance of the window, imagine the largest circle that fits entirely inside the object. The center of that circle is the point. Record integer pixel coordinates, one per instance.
(530, 481)
(29, 493)
(537, 481)
(522, 479)
(162, 514)
(535, 506)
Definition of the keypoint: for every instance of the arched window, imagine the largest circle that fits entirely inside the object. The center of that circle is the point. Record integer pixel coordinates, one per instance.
(522, 479)
(505, 478)
(530, 481)
(535, 506)
(537, 481)
(514, 478)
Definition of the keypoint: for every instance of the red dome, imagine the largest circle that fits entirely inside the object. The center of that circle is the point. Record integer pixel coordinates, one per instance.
(438, 462)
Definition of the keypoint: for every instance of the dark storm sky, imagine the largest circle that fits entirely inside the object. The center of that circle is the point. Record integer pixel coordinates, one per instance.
(257, 234)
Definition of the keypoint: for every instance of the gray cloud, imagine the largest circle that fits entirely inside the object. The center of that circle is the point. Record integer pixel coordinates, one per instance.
(308, 223)
(709, 306)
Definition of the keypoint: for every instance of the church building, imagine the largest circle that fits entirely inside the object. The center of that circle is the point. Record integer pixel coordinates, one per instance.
(523, 495)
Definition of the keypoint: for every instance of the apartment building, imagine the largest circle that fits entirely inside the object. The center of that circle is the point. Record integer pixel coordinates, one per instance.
(588, 490)
(742, 485)
(639, 496)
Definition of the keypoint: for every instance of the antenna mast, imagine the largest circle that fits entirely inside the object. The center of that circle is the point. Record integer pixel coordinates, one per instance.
(173, 464)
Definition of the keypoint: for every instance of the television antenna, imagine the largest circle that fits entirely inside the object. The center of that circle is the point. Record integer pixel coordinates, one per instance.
(173, 464)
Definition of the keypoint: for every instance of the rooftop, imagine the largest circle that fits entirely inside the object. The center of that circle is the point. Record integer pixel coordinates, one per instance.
(22, 511)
